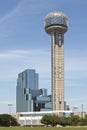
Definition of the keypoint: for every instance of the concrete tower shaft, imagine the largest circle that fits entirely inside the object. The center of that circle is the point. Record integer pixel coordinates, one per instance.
(56, 24)
(57, 71)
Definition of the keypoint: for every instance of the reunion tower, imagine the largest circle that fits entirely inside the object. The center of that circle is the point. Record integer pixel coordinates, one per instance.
(56, 24)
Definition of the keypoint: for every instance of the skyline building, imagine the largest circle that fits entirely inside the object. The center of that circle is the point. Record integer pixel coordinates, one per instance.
(27, 83)
(56, 24)
(29, 97)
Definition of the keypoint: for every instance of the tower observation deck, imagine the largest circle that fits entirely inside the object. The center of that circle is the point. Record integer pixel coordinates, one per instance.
(56, 24)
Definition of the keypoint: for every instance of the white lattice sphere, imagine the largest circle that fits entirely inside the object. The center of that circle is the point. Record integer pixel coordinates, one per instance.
(56, 22)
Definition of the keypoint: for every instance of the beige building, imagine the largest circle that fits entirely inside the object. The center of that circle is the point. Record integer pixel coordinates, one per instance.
(80, 114)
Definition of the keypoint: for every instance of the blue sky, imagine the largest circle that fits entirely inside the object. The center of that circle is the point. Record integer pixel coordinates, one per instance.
(24, 44)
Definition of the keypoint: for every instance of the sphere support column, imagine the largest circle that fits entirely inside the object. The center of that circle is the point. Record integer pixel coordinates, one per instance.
(57, 70)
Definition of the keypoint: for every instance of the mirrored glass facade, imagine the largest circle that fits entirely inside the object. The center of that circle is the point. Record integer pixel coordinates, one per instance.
(29, 97)
(27, 86)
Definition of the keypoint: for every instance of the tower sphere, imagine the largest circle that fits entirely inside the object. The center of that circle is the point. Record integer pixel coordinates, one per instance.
(56, 22)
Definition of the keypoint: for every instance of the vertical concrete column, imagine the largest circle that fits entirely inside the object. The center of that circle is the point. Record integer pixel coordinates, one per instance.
(57, 66)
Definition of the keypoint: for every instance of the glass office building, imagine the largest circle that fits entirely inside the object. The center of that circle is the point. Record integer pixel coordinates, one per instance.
(27, 86)
(29, 97)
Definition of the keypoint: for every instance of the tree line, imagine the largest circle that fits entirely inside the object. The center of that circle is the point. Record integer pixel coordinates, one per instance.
(53, 120)
(8, 120)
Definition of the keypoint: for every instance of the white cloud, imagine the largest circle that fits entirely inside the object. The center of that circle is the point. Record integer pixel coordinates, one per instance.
(13, 62)
(17, 60)
(76, 64)
(24, 6)
(14, 54)
(10, 14)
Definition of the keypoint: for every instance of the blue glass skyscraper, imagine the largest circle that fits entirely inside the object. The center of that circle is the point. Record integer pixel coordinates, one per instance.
(27, 84)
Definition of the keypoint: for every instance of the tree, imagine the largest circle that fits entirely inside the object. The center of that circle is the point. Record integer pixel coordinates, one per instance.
(8, 120)
(63, 121)
(51, 120)
(75, 120)
(45, 120)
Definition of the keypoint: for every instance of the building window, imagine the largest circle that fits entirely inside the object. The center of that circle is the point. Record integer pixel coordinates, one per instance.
(60, 43)
(60, 40)
(26, 97)
(24, 90)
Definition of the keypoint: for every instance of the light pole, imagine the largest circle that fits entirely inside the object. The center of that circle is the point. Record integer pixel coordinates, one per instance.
(82, 111)
(9, 105)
